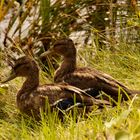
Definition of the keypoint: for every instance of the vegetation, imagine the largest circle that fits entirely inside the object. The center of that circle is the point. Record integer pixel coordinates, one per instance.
(117, 58)
(120, 122)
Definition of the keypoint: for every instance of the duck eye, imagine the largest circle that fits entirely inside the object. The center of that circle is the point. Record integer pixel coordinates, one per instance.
(18, 65)
(58, 44)
(54, 46)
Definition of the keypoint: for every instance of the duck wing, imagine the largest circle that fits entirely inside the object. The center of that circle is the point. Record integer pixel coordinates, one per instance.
(85, 78)
(68, 95)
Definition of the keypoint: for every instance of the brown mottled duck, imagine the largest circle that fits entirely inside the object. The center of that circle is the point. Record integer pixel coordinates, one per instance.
(84, 77)
(32, 98)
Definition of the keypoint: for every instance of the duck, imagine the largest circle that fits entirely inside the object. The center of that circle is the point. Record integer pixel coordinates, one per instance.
(85, 77)
(32, 97)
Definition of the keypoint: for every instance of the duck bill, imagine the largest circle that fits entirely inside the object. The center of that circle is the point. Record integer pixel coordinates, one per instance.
(48, 52)
(9, 78)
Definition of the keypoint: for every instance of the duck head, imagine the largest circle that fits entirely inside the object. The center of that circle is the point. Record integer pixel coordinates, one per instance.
(64, 47)
(22, 67)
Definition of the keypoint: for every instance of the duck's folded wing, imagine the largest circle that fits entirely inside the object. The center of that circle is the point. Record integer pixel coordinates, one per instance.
(82, 96)
(65, 95)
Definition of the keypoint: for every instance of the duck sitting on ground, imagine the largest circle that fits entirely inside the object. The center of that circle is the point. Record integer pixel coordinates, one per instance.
(85, 77)
(32, 98)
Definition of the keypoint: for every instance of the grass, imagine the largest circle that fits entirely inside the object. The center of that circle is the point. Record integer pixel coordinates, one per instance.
(120, 123)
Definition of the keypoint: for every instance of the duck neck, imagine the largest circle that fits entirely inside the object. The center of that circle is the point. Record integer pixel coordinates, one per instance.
(68, 66)
(31, 83)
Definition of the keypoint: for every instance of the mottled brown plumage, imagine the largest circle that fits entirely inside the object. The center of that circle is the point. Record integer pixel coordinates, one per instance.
(85, 77)
(32, 98)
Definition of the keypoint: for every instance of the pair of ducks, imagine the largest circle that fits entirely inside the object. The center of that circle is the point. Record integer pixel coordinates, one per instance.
(74, 87)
